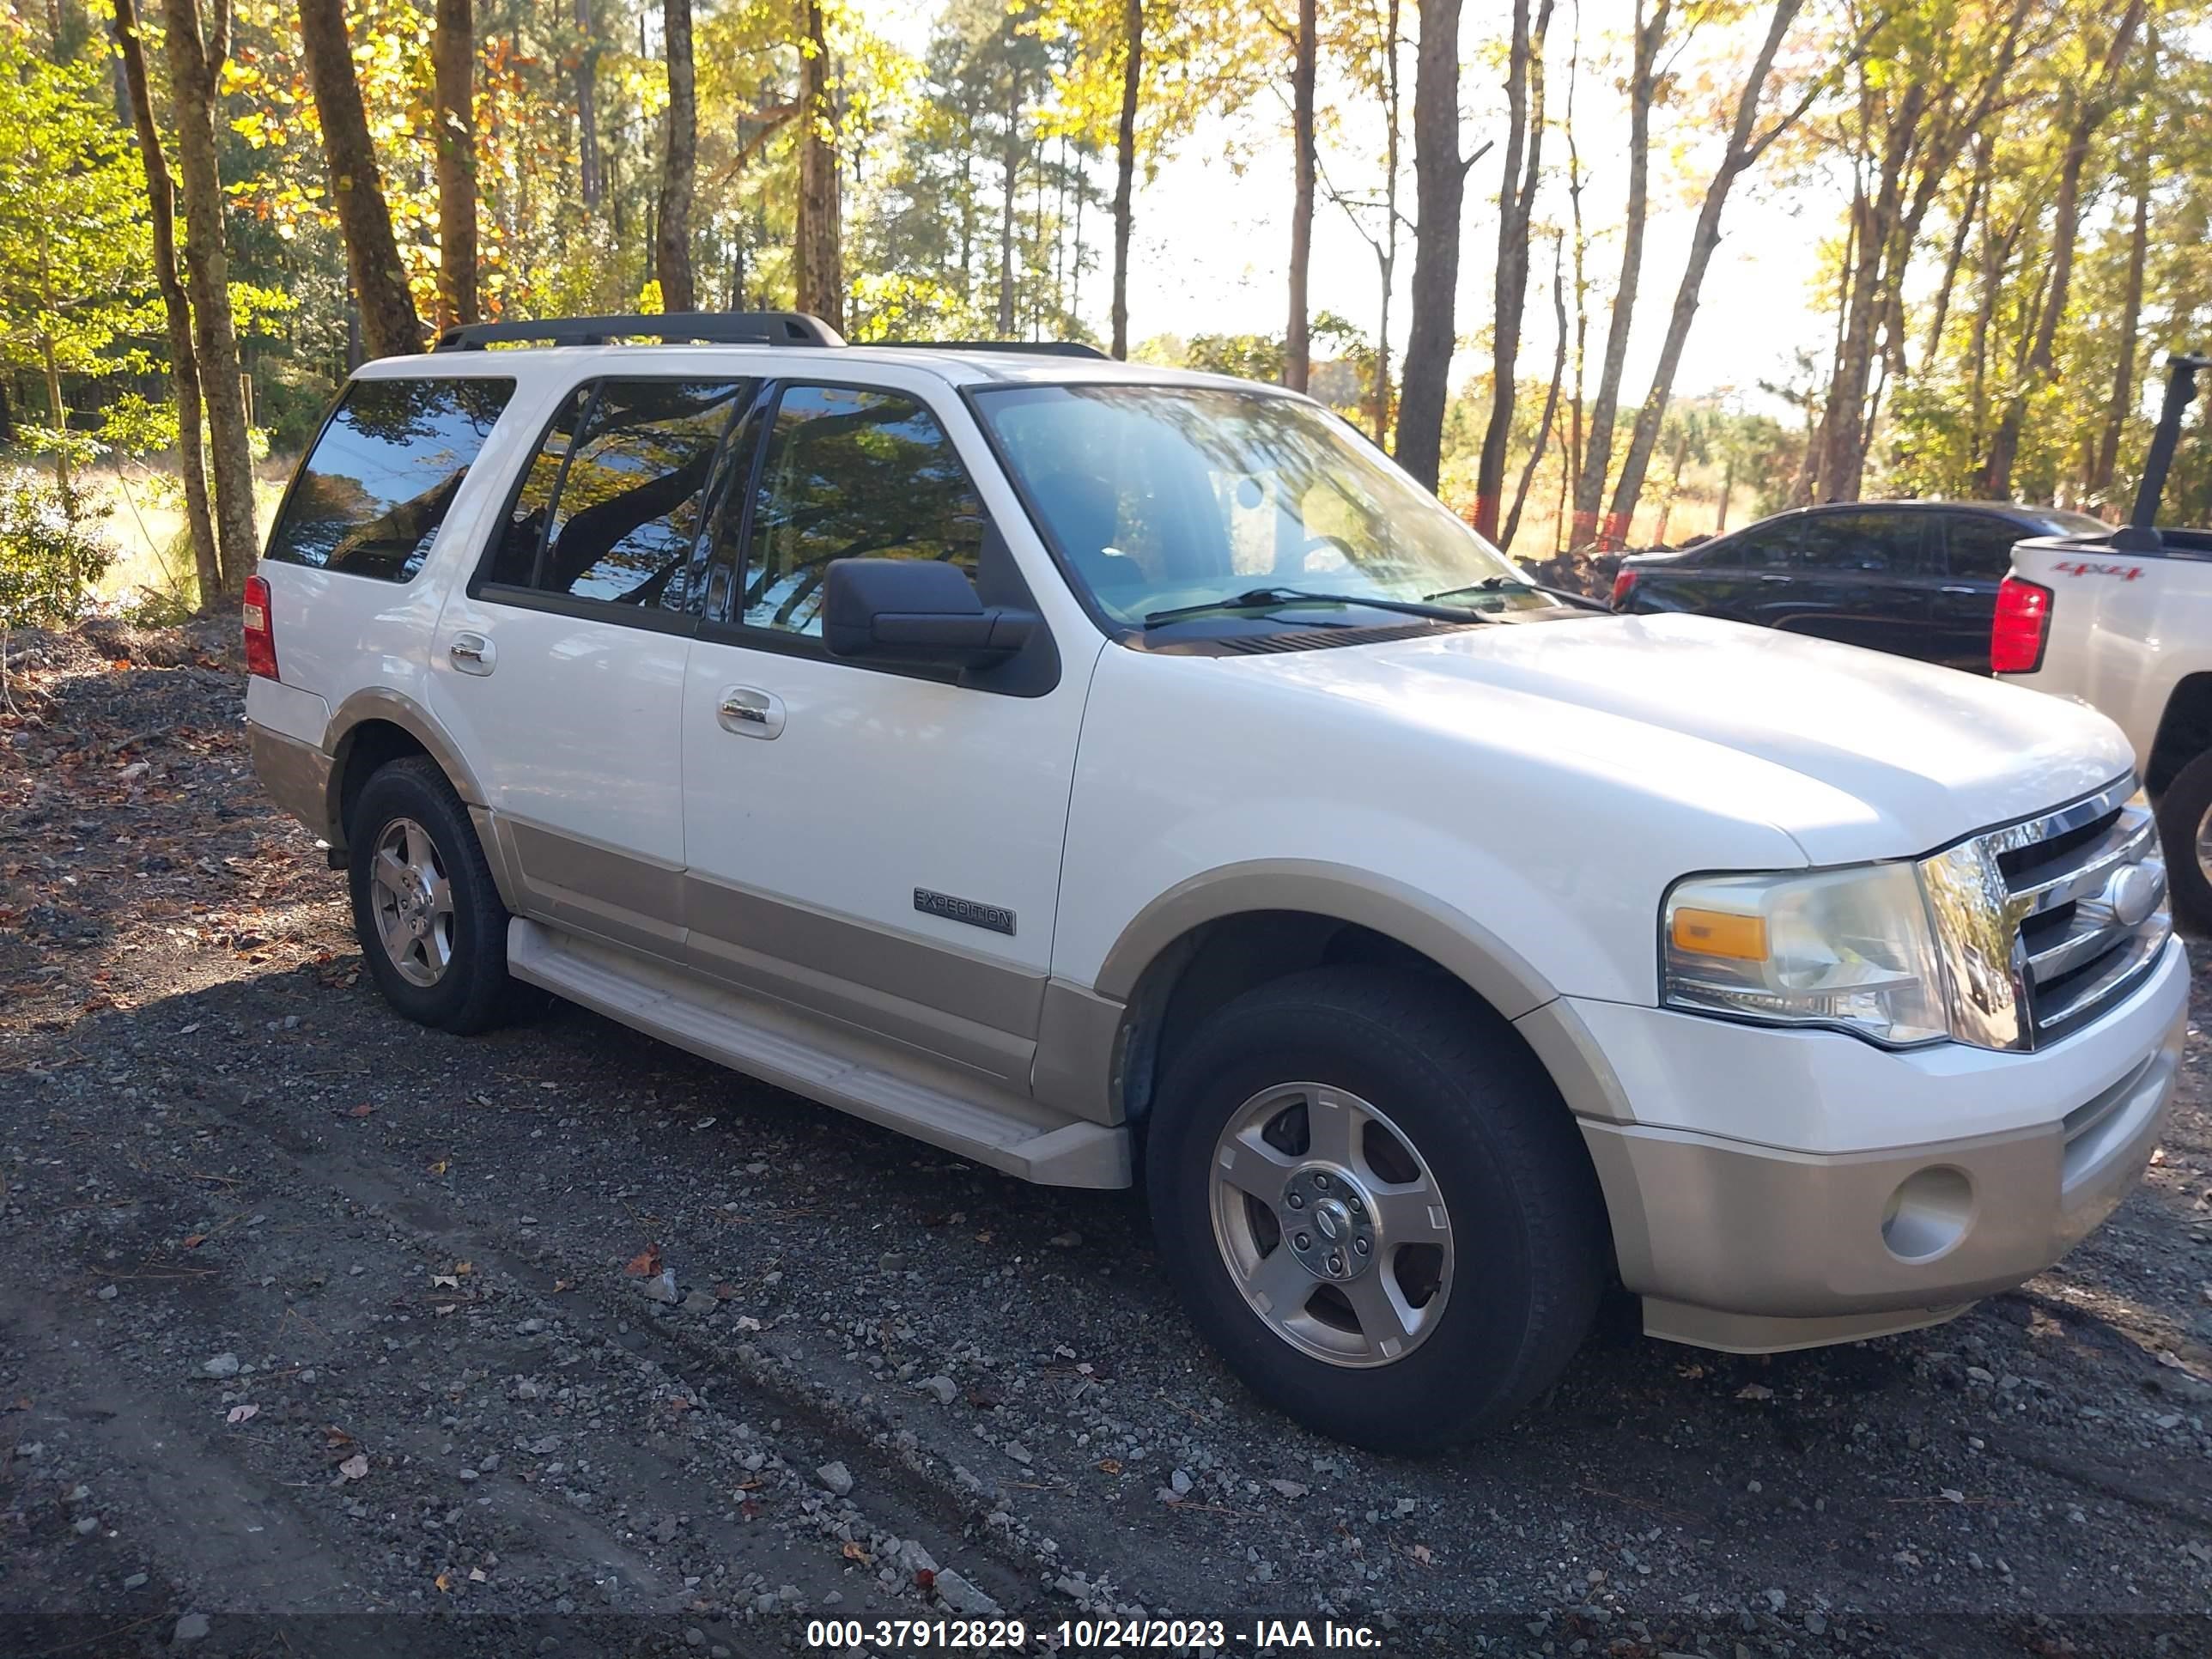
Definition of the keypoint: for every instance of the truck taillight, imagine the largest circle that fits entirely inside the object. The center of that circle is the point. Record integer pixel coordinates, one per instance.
(260, 633)
(1623, 584)
(2023, 621)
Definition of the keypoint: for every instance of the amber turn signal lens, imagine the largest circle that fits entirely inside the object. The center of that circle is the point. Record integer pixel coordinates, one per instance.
(1719, 934)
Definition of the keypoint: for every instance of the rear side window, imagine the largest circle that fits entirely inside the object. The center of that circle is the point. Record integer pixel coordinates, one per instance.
(373, 492)
(1981, 548)
(851, 474)
(611, 507)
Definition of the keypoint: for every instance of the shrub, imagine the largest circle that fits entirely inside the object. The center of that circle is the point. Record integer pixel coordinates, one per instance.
(51, 550)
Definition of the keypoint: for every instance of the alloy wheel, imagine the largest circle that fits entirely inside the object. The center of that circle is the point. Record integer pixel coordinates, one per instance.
(1331, 1224)
(413, 903)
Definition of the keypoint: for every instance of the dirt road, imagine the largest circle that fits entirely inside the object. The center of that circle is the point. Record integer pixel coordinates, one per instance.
(321, 1332)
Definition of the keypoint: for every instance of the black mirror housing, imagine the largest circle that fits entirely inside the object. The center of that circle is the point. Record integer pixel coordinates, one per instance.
(920, 612)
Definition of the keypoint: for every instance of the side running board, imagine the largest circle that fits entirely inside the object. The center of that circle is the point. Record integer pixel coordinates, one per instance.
(870, 1079)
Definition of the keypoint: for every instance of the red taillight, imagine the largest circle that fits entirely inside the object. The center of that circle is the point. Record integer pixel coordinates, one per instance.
(1623, 584)
(260, 633)
(2023, 621)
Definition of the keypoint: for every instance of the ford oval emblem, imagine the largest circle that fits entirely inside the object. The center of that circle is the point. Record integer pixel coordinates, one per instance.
(2134, 892)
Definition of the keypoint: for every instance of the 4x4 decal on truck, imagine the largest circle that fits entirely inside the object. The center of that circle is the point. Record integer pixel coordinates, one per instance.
(996, 917)
(2083, 568)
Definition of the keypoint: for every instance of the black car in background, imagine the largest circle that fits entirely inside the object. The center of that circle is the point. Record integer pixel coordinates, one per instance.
(1917, 579)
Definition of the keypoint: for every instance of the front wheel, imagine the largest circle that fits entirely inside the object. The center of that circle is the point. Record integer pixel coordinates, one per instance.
(2184, 831)
(1377, 1206)
(427, 914)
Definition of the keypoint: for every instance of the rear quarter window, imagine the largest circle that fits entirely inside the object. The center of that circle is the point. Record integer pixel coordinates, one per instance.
(375, 491)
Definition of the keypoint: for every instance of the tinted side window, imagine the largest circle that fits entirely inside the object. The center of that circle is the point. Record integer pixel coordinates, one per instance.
(629, 512)
(851, 474)
(515, 561)
(1981, 548)
(1749, 550)
(1886, 544)
(372, 495)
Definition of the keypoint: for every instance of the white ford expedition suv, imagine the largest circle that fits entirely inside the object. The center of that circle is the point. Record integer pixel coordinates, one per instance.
(1094, 769)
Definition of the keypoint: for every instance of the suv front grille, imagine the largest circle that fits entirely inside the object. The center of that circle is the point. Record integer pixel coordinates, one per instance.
(2084, 897)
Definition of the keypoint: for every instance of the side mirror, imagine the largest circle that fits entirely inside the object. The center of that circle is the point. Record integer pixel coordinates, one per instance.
(919, 613)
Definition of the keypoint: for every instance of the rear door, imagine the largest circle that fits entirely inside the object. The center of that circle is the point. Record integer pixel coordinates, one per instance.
(1977, 552)
(560, 670)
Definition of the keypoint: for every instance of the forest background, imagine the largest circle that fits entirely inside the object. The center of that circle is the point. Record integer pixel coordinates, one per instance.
(1602, 272)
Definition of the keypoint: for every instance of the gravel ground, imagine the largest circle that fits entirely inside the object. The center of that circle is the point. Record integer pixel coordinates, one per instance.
(309, 1315)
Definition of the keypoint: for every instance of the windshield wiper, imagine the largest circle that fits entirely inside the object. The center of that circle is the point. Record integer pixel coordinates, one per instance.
(1487, 585)
(1267, 598)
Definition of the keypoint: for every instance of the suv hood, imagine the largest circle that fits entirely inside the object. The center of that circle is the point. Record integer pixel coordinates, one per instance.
(1853, 754)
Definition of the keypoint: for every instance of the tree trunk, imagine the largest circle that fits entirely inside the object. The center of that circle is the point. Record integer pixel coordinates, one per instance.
(56, 403)
(1597, 451)
(1673, 490)
(1298, 356)
(388, 322)
(1439, 190)
(453, 68)
(195, 70)
(1550, 397)
(1386, 254)
(590, 180)
(1728, 488)
(1843, 461)
(1959, 235)
(1125, 166)
(819, 261)
(2094, 105)
(1010, 162)
(1931, 123)
(1742, 151)
(2106, 460)
(672, 242)
(1516, 202)
(1571, 453)
(184, 364)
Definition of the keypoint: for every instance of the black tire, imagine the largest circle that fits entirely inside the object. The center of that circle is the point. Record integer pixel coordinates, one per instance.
(1528, 1223)
(473, 991)
(2181, 810)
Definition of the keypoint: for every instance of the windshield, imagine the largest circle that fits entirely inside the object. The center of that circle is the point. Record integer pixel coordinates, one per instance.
(2060, 521)
(1179, 499)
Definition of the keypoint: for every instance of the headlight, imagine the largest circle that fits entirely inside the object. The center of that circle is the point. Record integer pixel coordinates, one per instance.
(1851, 948)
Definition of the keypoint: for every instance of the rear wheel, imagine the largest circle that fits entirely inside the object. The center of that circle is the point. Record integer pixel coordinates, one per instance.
(1377, 1206)
(2185, 830)
(428, 916)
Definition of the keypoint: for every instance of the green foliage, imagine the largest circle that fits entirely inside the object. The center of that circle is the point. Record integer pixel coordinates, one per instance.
(75, 271)
(52, 550)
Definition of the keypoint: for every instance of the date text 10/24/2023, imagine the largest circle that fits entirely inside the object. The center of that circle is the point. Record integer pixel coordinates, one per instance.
(1091, 1635)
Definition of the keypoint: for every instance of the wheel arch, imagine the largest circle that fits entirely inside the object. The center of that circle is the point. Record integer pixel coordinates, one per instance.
(1218, 935)
(2184, 730)
(377, 725)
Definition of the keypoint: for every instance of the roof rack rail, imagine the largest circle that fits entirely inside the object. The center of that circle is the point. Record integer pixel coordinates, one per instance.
(1033, 348)
(797, 328)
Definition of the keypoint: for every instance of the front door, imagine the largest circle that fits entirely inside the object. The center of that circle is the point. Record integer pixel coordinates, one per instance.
(878, 847)
(562, 665)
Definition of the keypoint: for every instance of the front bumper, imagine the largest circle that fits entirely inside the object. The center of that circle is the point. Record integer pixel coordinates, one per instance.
(1752, 1248)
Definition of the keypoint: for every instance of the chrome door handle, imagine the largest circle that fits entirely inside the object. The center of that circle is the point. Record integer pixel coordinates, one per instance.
(751, 712)
(1950, 588)
(472, 653)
